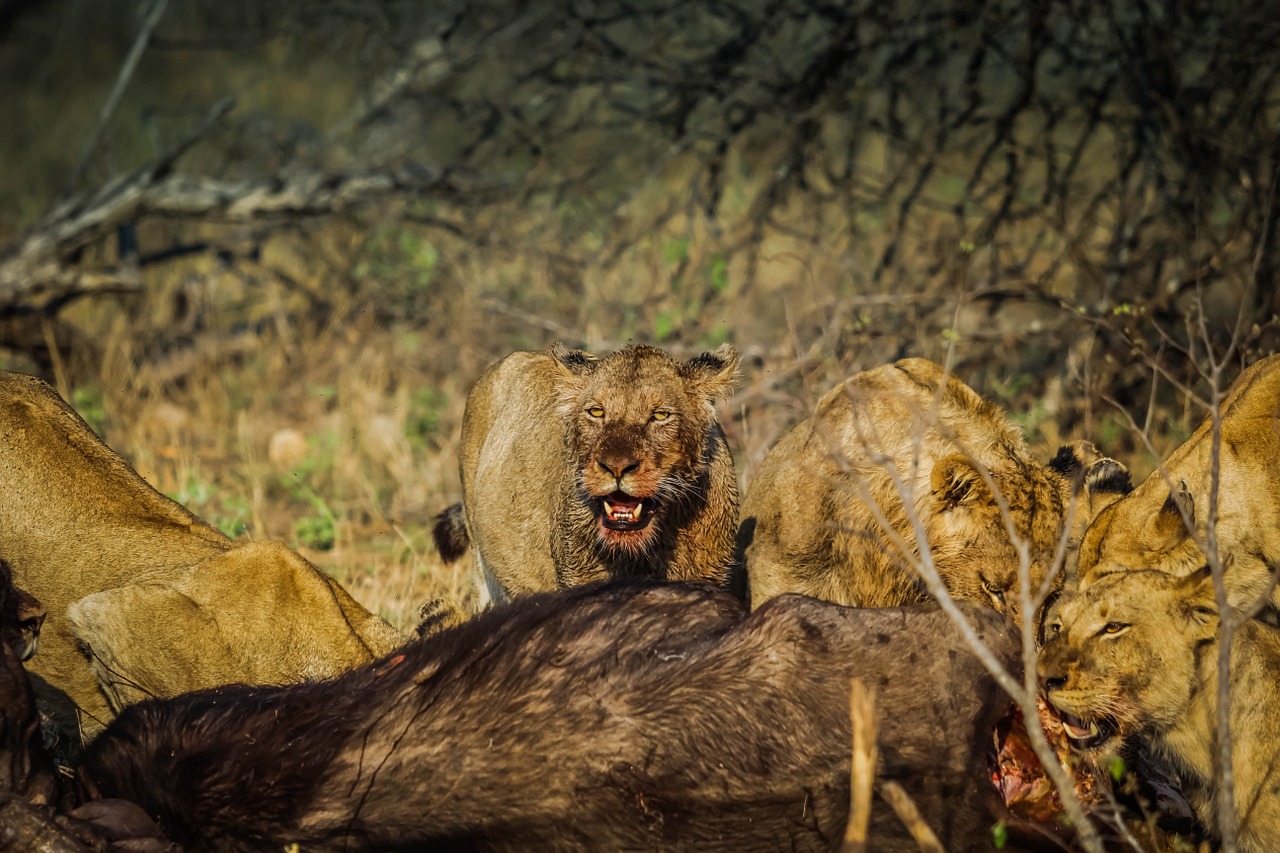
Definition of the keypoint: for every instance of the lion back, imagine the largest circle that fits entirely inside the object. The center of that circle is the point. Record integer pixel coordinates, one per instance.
(835, 509)
(135, 579)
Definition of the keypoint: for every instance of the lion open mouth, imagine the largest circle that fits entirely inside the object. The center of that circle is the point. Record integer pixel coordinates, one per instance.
(1085, 734)
(623, 512)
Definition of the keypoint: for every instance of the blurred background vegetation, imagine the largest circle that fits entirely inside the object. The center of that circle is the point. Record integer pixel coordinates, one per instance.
(265, 246)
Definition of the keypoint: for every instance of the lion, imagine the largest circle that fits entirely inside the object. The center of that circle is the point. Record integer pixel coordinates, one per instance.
(1137, 654)
(810, 515)
(1151, 528)
(141, 591)
(576, 468)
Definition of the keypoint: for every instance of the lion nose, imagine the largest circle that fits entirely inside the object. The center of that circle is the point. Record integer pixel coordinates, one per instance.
(1052, 675)
(618, 467)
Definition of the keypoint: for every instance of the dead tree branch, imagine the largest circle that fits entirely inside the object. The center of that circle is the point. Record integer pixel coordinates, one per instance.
(39, 271)
(122, 80)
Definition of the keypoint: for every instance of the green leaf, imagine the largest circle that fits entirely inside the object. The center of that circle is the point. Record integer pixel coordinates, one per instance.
(315, 531)
(719, 273)
(88, 403)
(1000, 835)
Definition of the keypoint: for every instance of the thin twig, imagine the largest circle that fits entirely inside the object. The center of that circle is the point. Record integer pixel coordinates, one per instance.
(907, 812)
(117, 92)
(1227, 824)
(862, 767)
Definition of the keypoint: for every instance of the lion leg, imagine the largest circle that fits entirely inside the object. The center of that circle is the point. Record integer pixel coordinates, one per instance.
(489, 590)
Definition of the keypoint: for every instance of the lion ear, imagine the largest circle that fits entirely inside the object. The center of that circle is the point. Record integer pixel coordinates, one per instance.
(1198, 603)
(1085, 468)
(1093, 481)
(956, 482)
(712, 374)
(1177, 517)
(579, 362)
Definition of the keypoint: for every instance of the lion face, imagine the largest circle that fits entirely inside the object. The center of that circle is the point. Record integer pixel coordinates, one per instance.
(969, 534)
(641, 431)
(1046, 509)
(912, 436)
(1120, 656)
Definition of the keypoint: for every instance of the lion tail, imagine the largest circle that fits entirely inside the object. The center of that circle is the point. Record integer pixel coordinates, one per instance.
(450, 533)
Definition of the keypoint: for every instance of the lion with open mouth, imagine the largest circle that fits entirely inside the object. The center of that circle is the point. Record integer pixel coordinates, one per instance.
(577, 468)
(1137, 654)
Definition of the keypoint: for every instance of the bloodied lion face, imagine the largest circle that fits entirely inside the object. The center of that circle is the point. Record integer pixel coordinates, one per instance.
(642, 433)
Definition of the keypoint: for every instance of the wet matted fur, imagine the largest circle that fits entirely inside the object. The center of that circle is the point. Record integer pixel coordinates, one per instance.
(577, 468)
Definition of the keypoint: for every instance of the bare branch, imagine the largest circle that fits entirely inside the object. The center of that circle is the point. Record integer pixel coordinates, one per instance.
(921, 832)
(35, 272)
(122, 80)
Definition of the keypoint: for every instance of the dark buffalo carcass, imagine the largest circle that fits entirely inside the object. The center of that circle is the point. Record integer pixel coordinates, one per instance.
(624, 716)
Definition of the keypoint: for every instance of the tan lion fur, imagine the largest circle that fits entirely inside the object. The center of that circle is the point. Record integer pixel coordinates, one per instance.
(809, 526)
(1147, 530)
(218, 617)
(76, 520)
(547, 436)
(1140, 650)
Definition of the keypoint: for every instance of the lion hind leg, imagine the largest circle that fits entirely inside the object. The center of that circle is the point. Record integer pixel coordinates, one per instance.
(489, 590)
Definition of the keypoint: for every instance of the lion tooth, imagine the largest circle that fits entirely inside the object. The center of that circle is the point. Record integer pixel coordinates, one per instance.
(635, 512)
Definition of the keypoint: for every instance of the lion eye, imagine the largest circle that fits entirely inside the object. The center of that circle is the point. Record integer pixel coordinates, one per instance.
(596, 411)
(997, 595)
(1113, 628)
(660, 415)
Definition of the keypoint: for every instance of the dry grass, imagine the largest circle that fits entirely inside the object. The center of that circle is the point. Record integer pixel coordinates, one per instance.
(338, 435)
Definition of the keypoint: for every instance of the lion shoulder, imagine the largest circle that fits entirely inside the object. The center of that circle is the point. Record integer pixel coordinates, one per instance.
(258, 613)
